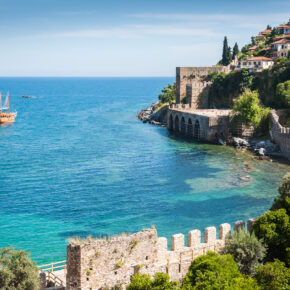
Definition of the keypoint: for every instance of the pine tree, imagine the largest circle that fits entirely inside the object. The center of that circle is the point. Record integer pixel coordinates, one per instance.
(269, 27)
(226, 53)
(235, 50)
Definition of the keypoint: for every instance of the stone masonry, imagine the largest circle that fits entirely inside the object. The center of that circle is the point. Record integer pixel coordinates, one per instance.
(279, 134)
(206, 125)
(105, 263)
(191, 83)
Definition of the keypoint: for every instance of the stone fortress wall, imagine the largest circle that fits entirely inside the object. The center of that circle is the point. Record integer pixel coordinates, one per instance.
(103, 264)
(279, 134)
(190, 83)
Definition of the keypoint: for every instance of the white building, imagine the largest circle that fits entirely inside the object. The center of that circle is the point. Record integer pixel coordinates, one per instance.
(256, 64)
(280, 48)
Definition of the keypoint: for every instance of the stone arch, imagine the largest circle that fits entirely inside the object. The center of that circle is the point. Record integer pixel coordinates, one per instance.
(176, 123)
(189, 127)
(170, 121)
(196, 130)
(183, 125)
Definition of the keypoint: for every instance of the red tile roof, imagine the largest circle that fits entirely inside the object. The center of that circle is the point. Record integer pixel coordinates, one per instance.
(282, 36)
(253, 47)
(266, 31)
(285, 26)
(259, 58)
(281, 41)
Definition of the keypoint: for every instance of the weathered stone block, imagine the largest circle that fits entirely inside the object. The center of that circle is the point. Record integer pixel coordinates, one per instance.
(193, 238)
(210, 235)
(239, 225)
(250, 224)
(224, 230)
(177, 242)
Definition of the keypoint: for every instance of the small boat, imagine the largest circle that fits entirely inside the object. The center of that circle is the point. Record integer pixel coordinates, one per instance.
(26, 96)
(5, 115)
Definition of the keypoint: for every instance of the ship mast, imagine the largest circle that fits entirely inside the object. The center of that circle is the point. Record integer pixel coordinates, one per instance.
(8, 102)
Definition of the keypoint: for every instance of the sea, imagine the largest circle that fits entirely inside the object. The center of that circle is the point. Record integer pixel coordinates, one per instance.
(78, 162)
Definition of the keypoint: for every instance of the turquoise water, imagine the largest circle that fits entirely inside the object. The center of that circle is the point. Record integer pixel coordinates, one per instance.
(78, 162)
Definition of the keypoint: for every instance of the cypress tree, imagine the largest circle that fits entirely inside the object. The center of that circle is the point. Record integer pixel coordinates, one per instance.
(225, 56)
(235, 50)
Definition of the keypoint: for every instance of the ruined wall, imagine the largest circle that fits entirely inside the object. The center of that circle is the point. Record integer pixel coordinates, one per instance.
(279, 134)
(194, 76)
(97, 264)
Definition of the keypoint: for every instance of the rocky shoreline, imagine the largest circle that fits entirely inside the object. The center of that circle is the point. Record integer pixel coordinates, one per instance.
(263, 149)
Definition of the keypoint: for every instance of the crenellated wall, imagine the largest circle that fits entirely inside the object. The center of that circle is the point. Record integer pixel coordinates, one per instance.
(102, 263)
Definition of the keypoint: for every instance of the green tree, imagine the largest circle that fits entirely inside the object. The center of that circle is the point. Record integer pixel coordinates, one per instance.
(161, 281)
(226, 53)
(235, 50)
(269, 27)
(274, 228)
(283, 94)
(169, 94)
(247, 109)
(247, 251)
(283, 200)
(274, 276)
(17, 271)
(212, 271)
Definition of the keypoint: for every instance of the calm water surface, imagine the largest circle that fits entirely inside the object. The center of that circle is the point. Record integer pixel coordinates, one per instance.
(78, 162)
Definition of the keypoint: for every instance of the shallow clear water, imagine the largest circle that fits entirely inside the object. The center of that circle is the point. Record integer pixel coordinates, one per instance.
(78, 162)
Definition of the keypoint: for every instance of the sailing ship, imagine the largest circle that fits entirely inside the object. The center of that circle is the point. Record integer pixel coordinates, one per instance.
(5, 115)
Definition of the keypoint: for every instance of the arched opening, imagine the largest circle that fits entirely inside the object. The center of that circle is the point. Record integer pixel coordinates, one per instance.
(176, 124)
(170, 127)
(189, 128)
(183, 126)
(196, 130)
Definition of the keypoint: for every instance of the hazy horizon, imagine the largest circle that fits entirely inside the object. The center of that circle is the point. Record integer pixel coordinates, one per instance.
(125, 38)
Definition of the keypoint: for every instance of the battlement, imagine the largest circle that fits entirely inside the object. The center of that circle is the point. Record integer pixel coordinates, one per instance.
(101, 263)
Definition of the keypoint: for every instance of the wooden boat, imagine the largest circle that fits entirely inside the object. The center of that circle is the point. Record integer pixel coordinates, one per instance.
(5, 115)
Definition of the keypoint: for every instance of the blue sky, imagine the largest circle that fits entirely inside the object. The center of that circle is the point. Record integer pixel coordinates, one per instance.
(125, 38)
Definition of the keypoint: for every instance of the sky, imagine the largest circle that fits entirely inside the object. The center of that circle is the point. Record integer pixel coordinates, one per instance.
(124, 37)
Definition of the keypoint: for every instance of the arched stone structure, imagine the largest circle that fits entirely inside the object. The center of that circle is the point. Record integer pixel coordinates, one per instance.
(170, 122)
(176, 123)
(183, 126)
(189, 128)
(197, 130)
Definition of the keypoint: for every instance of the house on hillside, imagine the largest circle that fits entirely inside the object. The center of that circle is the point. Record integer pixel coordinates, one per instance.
(256, 64)
(280, 48)
(284, 29)
(265, 32)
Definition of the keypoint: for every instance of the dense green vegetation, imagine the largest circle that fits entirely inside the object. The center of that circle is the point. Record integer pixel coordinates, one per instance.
(248, 110)
(247, 250)
(17, 271)
(240, 265)
(144, 282)
(168, 94)
(213, 271)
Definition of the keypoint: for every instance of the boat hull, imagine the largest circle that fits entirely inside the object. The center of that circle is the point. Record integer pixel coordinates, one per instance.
(7, 117)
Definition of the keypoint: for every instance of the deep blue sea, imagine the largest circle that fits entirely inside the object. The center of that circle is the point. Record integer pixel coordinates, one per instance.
(77, 162)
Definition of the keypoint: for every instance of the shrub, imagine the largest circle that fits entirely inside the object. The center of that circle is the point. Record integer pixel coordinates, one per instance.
(247, 109)
(283, 94)
(17, 271)
(283, 200)
(212, 271)
(169, 94)
(274, 228)
(274, 276)
(247, 251)
(161, 281)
